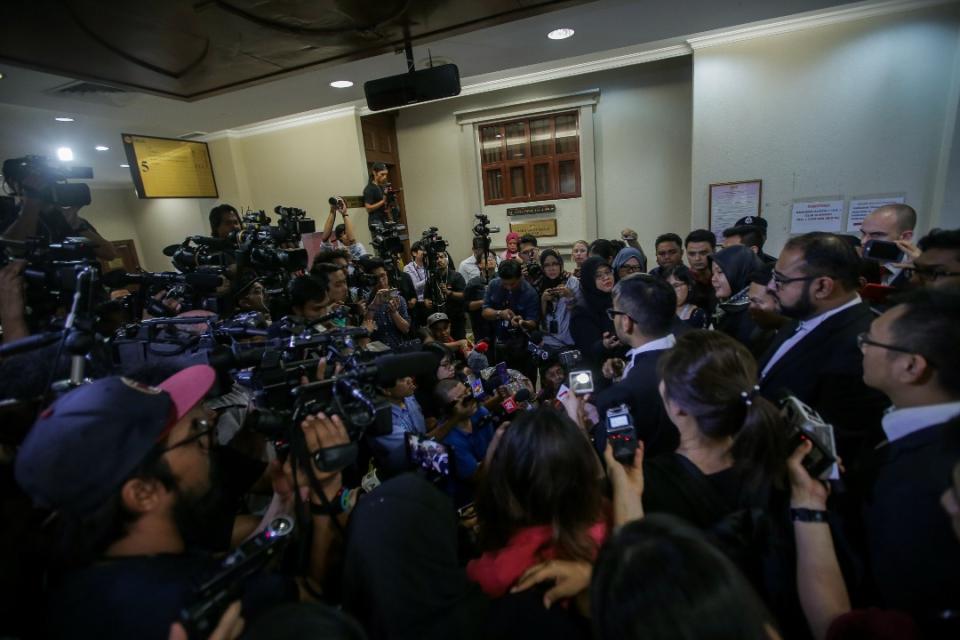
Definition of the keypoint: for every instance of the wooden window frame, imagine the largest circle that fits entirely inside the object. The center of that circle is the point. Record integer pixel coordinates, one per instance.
(552, 160)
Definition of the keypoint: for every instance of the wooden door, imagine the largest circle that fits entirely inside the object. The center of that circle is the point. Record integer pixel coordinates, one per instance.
(126, 259)
(380, 144)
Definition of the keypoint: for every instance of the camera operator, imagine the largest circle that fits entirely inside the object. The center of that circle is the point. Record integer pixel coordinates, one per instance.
(474, 295)
(470, 267)
(417, 271)
(129, 470)
(455, 301)
(341, 236)
(375, 200)
(248, 294)
(224, 220)
(530, 255)
(48, 220)
(514, 305)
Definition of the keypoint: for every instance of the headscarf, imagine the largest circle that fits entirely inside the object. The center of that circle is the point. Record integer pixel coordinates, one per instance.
(593, 299)
(625, 254)
(547, 283)
(737, 263)
(507, 253)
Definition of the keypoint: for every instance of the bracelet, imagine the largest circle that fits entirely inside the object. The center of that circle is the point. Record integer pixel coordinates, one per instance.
(808, 515)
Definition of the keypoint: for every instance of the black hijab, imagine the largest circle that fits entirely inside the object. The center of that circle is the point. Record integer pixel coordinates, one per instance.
(561, 280)
(737, 263)
(593, 299)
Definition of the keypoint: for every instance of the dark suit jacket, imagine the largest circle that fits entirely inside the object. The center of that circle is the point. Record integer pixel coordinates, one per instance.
(825, 370)
(639, 391)
(913, 552)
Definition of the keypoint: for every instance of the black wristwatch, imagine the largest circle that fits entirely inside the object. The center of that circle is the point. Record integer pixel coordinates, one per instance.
(808, 515)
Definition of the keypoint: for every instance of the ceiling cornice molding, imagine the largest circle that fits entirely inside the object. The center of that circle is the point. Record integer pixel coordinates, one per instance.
(639, 55)
(286, 122)
(813, 19)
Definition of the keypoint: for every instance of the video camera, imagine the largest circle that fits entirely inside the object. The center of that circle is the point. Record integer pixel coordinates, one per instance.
(387, 239)
(48, 181)
(483, 228)
(392, 205)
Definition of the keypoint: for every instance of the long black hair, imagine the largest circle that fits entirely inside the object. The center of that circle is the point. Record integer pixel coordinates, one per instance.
(543, 472)
(713, 377)
(658, 579)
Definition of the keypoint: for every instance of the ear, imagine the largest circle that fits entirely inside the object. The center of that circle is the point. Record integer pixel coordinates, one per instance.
(915, 370)
(907, 235)
(142, 496)
(823, 288)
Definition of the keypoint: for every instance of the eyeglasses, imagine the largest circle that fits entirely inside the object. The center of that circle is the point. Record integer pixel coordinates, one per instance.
(779, 280)
(929, 274)
(603, 274)
(864, 338)
(629, 268)
(613, 313)
(529, 253)
(201, 429)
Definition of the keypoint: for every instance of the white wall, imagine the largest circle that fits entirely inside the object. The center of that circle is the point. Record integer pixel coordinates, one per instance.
(641, 152)
(112, 214)
(845, 110)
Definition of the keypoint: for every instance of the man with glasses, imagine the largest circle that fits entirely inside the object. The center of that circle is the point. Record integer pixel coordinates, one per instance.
(128, 470)
(642, 314)
(890, 223)
(815, 356)
(911, 354)
(530, 255)
(469, 432)
(938, 264)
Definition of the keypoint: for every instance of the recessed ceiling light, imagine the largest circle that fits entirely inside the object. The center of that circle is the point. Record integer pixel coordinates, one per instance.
(65, 154)
(560, 34)
(341, 84)
(100, 147)
(125, 166)
(63, 119)
(1, 76)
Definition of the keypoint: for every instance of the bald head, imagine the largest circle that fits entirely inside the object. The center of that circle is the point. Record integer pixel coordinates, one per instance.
(890, 222)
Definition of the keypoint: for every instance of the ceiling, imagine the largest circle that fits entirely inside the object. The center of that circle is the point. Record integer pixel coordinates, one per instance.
(31, 98)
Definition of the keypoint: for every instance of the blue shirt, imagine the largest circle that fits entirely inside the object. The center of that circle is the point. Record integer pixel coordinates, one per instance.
(391, 450)
(523, 301)
(469, 449)
(387, 331)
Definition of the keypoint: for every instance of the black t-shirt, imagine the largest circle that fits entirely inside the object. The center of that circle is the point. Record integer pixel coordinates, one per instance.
(476, 290)
(372, 194)
(141, 596)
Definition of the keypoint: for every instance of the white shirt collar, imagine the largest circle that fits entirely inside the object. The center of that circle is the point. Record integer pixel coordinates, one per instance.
(899, 423)
(666, 342)
(816, 321)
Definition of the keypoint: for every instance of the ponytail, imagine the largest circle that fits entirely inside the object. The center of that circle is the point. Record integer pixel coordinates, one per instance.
(759, 448)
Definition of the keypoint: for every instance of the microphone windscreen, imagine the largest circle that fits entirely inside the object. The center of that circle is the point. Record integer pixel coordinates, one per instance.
(523, 395)
(170, 249)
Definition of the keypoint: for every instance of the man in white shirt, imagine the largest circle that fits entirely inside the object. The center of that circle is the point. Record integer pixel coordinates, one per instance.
(911, 353)
(470, 268)
(816, 357)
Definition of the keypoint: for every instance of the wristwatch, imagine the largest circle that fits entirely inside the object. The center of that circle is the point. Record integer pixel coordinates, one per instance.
(808, 515)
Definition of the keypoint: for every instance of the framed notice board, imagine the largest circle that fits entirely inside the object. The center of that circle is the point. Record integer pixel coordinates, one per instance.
(169, 167)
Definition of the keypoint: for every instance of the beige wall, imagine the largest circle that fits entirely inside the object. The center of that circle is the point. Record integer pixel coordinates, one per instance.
(112, 214)
(640, 153)
(840, 111)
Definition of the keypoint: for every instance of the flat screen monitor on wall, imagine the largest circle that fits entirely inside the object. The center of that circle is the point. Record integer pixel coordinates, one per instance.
(169, 167)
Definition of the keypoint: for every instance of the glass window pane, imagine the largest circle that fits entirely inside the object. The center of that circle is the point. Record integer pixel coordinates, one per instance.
(568, 134)
(541, 137)
(541, 179)
(494, 180)
(568, 176)
(516, 141)
(518, 182)
(491, 144)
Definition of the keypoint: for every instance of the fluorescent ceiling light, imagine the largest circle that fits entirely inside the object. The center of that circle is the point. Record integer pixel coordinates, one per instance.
(100, 147)
(125, 166)
(341, 84)
(65, 154)
(560, 34)
(63, 119)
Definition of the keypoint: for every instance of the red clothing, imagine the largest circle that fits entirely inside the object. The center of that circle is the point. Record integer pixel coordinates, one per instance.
(497, 571)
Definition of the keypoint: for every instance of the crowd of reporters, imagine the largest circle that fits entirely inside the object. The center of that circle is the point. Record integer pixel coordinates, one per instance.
(515, 444)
